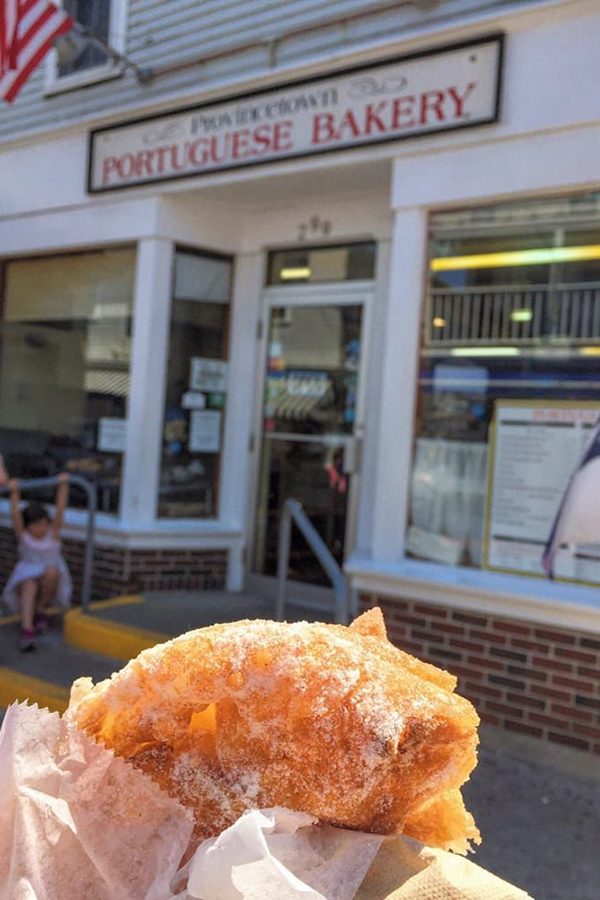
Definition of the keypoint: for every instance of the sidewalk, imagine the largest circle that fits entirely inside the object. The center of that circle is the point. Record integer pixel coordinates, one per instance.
(538, 809)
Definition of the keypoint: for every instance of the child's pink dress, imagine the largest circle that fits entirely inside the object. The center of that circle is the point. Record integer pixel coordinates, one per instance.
(35, 556)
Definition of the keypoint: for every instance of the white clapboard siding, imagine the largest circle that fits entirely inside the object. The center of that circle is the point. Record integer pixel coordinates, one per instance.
(163, 32)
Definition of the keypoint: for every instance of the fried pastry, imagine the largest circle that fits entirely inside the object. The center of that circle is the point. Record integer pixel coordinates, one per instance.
(332, 721)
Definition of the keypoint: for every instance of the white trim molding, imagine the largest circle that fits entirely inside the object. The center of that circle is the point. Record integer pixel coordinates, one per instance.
(573, 607)
(525, 165)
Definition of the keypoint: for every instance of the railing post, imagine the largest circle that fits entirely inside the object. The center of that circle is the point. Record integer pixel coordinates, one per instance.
(283, 559)
(88, 562)
(292, 513)
(341, 604)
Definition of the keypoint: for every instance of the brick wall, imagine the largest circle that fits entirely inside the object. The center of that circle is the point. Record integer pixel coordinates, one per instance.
(537, 680)
(120, 570)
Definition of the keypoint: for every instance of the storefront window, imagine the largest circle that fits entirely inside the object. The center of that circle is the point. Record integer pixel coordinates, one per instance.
(65, 345)
(348, 262)
(508, 389)
(196, 392)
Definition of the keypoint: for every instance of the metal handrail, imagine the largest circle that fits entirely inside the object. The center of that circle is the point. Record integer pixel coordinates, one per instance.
(293, 513)
(28, 484)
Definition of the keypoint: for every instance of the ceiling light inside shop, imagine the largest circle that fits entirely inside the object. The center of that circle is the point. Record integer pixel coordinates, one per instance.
(485, 351)
(294, 273)
(521, 315)
(539, 257)
(438, 322)
(589, 351)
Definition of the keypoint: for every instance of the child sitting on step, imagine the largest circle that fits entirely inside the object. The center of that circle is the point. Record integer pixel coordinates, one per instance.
(40, 577)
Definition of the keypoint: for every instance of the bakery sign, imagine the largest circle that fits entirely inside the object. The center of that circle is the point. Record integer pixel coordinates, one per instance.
(444, 89)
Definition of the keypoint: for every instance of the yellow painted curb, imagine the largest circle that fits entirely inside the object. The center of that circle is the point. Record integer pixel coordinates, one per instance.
(88, 632)
(16, 686)
(122, 600)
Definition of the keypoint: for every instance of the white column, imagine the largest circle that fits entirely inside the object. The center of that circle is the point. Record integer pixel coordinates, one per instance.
(234, 580)
(398, 390)
(150, 339)
(241, 402)
(373, 372)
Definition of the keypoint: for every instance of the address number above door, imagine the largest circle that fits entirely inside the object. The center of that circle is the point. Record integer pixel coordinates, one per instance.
(440, 90)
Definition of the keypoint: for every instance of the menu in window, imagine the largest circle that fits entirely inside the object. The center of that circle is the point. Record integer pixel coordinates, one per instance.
(535, 446)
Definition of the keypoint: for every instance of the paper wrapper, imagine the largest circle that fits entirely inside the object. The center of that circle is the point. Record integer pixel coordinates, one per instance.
(280, 855)
(77, 822)
(277, 854)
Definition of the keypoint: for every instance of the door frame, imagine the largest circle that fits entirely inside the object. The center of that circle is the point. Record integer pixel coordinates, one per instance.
(339, 293)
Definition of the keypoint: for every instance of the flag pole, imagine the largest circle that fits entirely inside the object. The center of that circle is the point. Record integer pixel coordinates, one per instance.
(144, 76)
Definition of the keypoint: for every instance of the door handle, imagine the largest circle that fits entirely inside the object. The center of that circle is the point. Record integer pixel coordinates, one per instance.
(352, 455)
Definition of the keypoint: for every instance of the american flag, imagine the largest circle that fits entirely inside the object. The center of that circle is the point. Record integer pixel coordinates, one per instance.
(28, 29)
(578, 518)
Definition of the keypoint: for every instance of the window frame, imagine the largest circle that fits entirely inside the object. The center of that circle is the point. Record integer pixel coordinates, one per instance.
(217, 514)
(75, 517)
(440, 575)
(308, 248)
(117, 39)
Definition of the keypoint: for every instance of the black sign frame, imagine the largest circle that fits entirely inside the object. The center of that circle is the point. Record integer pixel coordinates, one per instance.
(497, 37)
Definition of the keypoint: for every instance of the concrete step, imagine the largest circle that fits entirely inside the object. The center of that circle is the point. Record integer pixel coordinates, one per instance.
(298, 594)
(125, 626)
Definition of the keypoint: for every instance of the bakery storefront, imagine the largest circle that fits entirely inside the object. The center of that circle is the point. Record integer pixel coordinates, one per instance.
(375, 289)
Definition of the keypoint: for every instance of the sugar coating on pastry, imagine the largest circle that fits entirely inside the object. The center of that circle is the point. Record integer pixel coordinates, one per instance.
(332, 721)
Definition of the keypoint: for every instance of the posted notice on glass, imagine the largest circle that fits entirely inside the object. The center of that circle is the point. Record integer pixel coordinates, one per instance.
(535, 447)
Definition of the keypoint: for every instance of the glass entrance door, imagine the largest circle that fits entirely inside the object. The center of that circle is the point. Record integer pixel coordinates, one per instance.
(310, 419)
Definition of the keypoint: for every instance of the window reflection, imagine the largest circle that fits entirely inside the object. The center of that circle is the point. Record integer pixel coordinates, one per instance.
(348, 262)
(196, 390)
(64, 367)
(508, 382)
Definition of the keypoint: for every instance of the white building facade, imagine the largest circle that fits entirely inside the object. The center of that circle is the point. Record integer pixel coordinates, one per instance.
(354, 261)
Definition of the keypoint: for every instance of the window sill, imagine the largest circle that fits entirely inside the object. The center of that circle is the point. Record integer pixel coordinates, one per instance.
(551, 603)
(87, 78)
(187, 533)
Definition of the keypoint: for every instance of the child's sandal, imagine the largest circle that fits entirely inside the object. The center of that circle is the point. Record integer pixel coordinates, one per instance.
(26, 640)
